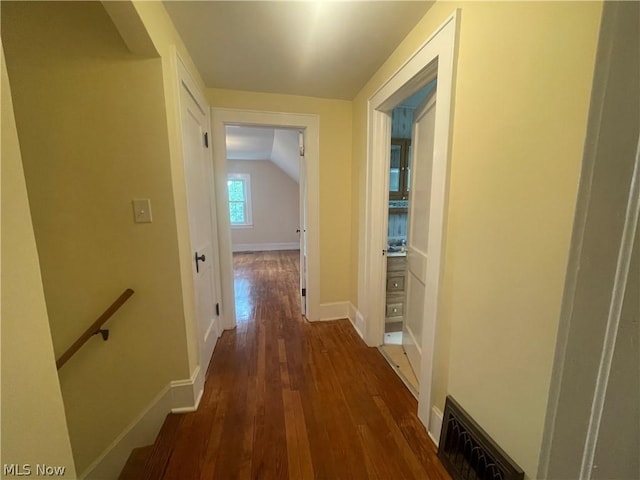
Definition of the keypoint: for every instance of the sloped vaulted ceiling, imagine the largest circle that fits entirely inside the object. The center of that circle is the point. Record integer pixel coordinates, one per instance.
(280, 145)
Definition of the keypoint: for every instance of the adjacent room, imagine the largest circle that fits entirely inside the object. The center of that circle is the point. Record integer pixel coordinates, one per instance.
(263, 186)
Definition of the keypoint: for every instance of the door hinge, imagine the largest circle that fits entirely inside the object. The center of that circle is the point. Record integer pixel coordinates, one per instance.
(302, 150)
(206, 139)
(217, 309)
(304, 292)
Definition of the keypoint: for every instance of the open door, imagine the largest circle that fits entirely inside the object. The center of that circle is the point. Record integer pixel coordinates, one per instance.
(418, 230)
(199, 183)
(302, 231)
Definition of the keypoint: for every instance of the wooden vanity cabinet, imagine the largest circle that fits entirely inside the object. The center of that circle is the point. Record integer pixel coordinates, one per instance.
(395, 302)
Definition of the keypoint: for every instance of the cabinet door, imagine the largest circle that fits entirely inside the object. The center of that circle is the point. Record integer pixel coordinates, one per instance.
(395, 170)
(399, 169)
(407, 171)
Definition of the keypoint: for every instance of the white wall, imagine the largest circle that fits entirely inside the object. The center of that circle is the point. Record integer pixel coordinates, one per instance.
(275, 206)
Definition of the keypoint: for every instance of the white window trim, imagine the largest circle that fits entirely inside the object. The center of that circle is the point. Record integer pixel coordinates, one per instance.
(246, 178)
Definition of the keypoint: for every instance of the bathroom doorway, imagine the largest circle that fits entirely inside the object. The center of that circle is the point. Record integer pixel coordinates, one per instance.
(403, 326)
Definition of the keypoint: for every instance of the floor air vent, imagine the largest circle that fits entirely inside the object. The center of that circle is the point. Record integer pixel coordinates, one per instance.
(468, 453)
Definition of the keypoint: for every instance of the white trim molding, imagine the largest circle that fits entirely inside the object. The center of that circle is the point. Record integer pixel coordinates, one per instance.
(435, 425)
(264, 247)
(434, 59)
(357, 320)
(187, 83)
(343, 310)
(334, 311)
(589, 325)
(186, 394)
(180, 396)
(142, 431)
(310, 124)
(623, 263)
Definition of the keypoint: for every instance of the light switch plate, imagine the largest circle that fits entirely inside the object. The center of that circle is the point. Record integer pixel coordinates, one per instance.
(142, 210)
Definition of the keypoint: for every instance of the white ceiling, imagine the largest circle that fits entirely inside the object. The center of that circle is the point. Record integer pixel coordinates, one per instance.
(280, 145)
(314, 48)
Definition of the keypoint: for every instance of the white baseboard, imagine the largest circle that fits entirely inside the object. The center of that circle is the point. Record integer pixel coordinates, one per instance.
(435, 425)
(139, 433)
(334, 311)
(342, 310)
(264, 247)
(186, 394)
(180, 396)
(357, 320)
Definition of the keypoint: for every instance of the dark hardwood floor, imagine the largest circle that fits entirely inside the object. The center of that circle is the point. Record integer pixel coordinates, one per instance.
(289, 399)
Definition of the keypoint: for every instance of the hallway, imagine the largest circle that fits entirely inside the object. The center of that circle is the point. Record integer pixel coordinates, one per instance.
(288, 399)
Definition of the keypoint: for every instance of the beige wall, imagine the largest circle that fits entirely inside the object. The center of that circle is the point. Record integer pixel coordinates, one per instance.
(92, 126)
(34, 429)
(335, 176)
(275, 204)
(521, 98)
(168, 44)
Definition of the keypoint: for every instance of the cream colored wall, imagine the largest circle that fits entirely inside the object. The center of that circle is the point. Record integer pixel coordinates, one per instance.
(275, 204)
(168, 43)
(33, 431)
(521, 98)
(335, 176)
(92, 126)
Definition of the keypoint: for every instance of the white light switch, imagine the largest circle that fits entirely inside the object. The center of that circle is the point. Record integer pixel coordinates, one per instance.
(142, 210)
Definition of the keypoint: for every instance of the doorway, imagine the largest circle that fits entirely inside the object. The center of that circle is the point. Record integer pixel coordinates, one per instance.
(308, 150)
(265, 198)
(413, 117)
(435, 59)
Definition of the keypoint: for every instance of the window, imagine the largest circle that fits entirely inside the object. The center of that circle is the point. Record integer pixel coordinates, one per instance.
(239, 191)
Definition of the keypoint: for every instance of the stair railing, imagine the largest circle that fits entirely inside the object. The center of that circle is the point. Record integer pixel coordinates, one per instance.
(95, 328)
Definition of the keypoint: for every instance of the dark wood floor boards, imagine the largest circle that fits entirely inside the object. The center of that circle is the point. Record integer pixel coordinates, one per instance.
(287, 399)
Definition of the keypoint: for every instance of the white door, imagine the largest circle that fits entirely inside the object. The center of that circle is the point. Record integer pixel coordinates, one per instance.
(199, 183)
(303, 224)
(418, 231)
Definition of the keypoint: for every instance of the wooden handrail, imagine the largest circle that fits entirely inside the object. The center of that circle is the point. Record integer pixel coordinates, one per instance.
(94, 328)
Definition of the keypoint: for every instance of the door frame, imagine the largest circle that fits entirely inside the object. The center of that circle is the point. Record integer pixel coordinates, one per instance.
(302, 225)
(588, 327)
(311, 125)
(435, 58)
(186, 81)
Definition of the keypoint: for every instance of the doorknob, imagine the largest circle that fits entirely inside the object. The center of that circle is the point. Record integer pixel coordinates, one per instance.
(200, 258)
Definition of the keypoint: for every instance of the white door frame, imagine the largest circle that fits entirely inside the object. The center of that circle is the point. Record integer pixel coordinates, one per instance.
(311, 125)
(434, 58)
(588, 327)
(302, 225)
(185, 80)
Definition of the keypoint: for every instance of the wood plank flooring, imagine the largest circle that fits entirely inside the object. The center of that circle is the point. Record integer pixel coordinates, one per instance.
(289, 399)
